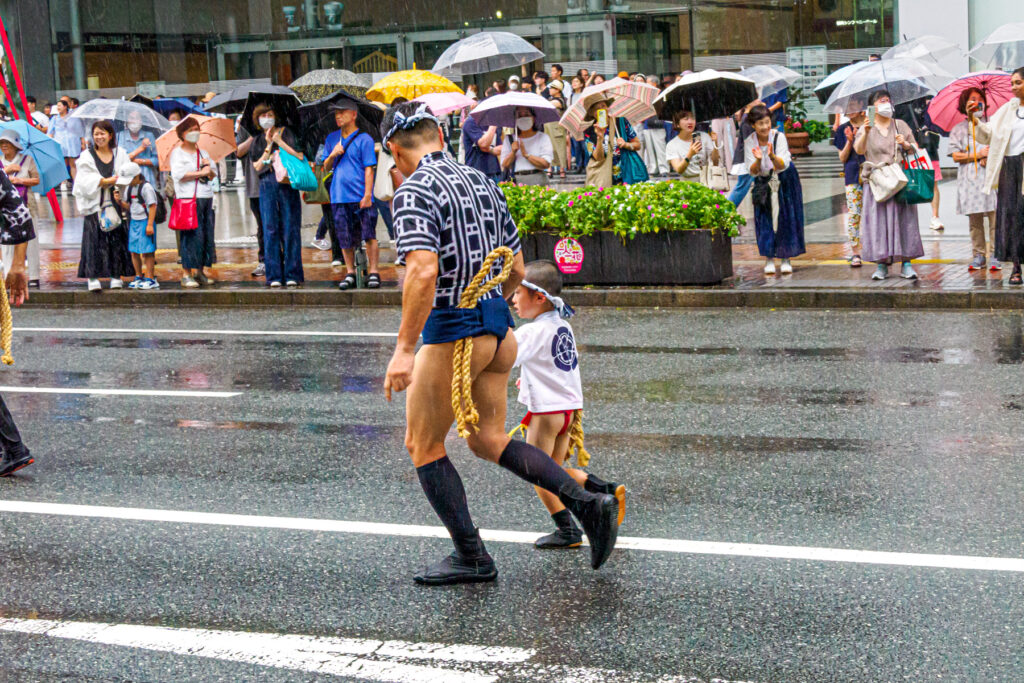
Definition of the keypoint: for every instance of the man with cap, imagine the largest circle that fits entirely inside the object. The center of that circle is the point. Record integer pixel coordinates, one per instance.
(351, 157)
(513, 83)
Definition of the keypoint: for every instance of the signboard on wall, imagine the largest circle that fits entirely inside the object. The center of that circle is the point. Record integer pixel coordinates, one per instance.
(151, 89)
(811, 62)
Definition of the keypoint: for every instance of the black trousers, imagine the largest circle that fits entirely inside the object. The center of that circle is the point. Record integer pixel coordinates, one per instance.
(10, 437)
(254, 206)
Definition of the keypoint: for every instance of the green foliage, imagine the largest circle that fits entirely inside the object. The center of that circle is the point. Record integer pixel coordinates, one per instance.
(818, 130)
(626, 210)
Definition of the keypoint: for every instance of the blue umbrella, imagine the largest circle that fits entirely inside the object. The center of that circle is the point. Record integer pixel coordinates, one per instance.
(44, 150)
(165, 105)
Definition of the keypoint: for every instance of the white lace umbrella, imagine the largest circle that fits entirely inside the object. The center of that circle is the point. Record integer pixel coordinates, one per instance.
(500, 110)
(1003, 49)
(771, 78)
(486, 51)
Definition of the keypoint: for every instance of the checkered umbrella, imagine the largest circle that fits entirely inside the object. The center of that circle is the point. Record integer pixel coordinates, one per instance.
(631, 100)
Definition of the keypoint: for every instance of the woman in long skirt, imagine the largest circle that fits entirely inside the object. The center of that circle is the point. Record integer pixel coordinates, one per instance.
(104, 251)
(1004, 134)
(778, 196)
(889, 230)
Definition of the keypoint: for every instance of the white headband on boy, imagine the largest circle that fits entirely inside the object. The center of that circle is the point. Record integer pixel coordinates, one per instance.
(564, 309)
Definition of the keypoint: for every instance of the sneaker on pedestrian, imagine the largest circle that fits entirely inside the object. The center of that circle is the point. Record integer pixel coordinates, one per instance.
(94, 285)
(275, 284)
(769, 267)
(936, 224)
(337, 264)
(259, 271)
(322, 244)
(291, 284)
(978, 263)
(116, 283)
(908, 272)
(12, 462)
(189, 282)
(134, 284)
(881, 272)
(994, 265)
(203, 279)
(149, 283)
(786, 268)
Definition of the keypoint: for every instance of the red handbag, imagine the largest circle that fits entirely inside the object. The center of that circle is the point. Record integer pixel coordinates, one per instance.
(184, 215)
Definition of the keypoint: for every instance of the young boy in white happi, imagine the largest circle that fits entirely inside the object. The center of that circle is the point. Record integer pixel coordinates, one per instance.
(550, 388)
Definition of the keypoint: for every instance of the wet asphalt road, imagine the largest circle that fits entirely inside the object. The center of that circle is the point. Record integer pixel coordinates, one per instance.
(869, 431)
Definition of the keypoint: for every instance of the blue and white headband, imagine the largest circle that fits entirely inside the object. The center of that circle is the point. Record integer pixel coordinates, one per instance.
(403, 122)
(564, 309)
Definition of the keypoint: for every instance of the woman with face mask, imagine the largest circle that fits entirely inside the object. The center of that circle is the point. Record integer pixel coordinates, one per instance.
(104, 251)
(777, 194)
(530, 155)
(1004, 172)
(140, 146)
(889, 230)
(280, 203)
(192, 172)
(971, 199)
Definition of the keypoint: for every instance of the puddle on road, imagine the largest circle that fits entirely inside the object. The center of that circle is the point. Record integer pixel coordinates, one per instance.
(898, 354)
(276, 378)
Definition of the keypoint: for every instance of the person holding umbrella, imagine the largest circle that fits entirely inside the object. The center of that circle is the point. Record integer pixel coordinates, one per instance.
(1004, 134)
(192, 172)
(104, 237)
(21, 171)
(280, 203)
(889, 229)
(843, 141)
(971, 199)
(140, 145)
(530, 155)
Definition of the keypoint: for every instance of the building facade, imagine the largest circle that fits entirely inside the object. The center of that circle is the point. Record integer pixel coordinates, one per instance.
(186, 47)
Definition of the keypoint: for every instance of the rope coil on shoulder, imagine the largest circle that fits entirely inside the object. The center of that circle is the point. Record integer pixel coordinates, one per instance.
(6, 325)
(466, 415)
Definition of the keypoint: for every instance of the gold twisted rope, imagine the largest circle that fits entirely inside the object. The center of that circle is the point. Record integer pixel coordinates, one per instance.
(6, 325)
(466, 415)
(576, 440)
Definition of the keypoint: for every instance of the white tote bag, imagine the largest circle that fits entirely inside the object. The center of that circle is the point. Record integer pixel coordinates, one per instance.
(383, 187)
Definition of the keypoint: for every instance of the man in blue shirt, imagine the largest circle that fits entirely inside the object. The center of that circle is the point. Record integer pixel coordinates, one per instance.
(482, 148)
(351, 157)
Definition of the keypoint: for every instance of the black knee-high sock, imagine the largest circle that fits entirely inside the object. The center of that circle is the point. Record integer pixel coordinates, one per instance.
(10, 438)
(535, 466)
(443, 486)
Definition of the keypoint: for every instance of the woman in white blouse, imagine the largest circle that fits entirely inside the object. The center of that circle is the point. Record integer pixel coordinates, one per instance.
(530, 155)
(192, 172)
(778, 197)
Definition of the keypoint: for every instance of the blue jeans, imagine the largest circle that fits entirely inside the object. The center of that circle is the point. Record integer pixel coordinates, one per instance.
(281, 209)
(743, 185)
(384, 209)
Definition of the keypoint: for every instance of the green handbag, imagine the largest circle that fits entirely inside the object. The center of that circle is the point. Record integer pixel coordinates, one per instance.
(321, 195)
(920, 187)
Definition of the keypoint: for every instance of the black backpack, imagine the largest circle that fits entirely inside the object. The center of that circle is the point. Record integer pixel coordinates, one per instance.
(161, 207)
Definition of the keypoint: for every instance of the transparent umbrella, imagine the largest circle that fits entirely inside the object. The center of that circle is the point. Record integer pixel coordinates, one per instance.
(829, 84)
(923, 47)
(771, 78)
(904, 80)
(486, 51)
(1003, 49)
(117, 112)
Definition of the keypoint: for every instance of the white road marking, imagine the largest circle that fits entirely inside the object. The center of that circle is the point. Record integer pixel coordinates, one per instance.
(119, 392)
(240, 333)
(664, 545)
(371, 660)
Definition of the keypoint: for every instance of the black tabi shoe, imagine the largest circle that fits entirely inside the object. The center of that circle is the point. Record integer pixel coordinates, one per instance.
(470, 563)
(612, 488)
(598, 514)
(9, 466)
(560, 539)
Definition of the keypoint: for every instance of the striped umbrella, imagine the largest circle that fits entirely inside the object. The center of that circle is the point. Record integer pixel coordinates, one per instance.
(631, 100)
(410, 85)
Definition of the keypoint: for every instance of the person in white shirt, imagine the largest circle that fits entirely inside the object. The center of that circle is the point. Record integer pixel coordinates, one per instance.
(138, 197)
(778, 197)
(531, 154)
(688, 156)
(40, 120)
(551, 389)
(192, 172)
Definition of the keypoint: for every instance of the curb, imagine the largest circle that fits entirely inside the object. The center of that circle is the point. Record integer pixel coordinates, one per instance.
(880, 299)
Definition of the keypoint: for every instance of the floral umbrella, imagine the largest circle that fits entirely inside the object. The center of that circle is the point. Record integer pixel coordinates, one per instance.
(629, 99)
(323, 82)
(410, 85)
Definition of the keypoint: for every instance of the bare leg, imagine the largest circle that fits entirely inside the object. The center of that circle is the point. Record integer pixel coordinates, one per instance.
(372, 255)
(149, 263)
(137, 263)
(350, 262)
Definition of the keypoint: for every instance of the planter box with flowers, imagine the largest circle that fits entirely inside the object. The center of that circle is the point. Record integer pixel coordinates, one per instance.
(668, 233)
(801, 131)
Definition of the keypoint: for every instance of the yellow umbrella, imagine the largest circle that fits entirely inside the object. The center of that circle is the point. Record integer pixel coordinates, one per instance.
(410, 85)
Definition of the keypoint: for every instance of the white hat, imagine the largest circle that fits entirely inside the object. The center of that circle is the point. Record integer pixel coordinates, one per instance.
(12, 137)
(127, 173)
(515, 78)
(557, 84)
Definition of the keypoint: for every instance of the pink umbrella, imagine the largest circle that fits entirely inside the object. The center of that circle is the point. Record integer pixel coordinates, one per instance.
(444, 103)
(994, 85)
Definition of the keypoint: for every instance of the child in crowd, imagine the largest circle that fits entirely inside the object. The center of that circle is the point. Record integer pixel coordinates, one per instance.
(550, 387)
(139, 197)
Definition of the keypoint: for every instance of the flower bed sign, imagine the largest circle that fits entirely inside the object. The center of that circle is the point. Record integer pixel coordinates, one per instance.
(569, 256)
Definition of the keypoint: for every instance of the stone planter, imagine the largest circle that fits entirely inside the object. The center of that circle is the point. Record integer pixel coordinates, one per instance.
(799, 144)
(684, 257)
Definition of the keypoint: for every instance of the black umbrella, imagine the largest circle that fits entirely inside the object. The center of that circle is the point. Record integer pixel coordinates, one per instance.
(142, 99)
(233, 101)
(708, 94)
(284, 104)
(316, 119)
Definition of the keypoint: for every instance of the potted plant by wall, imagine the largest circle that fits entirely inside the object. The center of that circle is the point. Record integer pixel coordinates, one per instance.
(802, 132)
(668, 233)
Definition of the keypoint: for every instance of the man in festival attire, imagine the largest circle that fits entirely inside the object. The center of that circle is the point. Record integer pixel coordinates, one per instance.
(449, 219)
